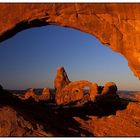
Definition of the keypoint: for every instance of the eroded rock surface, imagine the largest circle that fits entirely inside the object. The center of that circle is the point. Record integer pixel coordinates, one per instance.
(29, 94)
(68, 92)
(45, 96)
(83, 91)
(123, 123)
(12, 123)
(115, 25)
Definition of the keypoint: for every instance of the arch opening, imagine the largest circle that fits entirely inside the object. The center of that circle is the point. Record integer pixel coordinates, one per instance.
(80, 58)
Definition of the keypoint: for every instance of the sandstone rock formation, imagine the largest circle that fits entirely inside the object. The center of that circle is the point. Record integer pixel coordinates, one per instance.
(46, 95)
(68, 92)
(61, 79)
(29, 94)
(125, 123)
(115, 25)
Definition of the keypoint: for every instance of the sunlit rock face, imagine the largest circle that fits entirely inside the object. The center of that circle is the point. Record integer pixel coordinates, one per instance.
(115, 25)
(69, 92)
(61, 79)
(45, 96)
(74, 91)
(29, 94)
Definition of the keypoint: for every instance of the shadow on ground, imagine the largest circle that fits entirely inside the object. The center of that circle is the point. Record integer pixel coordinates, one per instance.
(60, 120)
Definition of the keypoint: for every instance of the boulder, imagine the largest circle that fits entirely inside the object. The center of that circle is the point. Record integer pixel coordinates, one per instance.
(109, 88)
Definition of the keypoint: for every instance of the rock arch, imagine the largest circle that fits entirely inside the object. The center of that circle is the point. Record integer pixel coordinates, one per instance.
(73, 91)
(115, 25)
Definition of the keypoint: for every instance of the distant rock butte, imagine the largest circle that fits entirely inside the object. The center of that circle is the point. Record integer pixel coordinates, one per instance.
(115, 25)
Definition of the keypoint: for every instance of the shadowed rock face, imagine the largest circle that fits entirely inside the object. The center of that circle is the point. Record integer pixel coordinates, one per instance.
(115, 25)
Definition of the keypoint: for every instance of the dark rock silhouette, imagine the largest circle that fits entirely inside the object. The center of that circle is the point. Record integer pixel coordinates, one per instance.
(1, 88)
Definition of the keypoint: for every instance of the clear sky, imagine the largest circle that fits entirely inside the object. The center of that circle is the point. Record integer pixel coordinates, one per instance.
(31, 57)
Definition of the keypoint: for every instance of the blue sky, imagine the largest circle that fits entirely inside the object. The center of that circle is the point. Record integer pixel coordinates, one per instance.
(31, 57)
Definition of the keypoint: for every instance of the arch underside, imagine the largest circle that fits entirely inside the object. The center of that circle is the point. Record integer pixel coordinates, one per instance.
(115, 25)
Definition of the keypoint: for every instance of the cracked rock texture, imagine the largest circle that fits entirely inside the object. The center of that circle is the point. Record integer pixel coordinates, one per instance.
(115, 25)
(13, 124)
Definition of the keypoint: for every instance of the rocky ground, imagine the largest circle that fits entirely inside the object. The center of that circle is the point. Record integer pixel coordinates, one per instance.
(29, 118)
